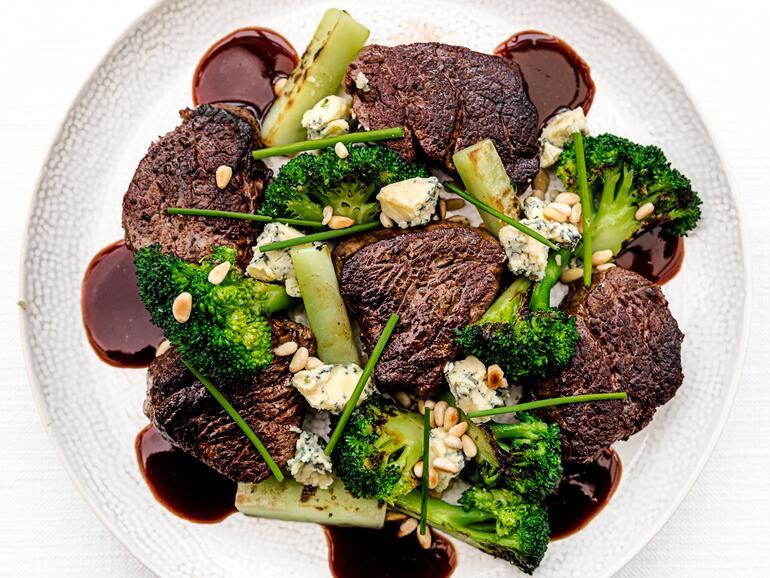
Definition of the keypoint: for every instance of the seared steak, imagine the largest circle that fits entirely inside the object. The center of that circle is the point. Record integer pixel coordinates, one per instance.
(437, 279)
(183, 411)
(447, 98)
(179, 171)
(629, 342)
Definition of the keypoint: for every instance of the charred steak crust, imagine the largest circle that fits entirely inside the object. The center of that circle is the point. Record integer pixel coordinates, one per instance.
(629, 341)
(184, 412)
(179, 171)
(437, 279)
(447, 98)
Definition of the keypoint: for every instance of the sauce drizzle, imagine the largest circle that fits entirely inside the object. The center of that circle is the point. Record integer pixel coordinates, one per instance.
(653, 256)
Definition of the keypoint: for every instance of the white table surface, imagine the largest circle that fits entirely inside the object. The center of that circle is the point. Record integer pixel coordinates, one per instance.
(721, 52)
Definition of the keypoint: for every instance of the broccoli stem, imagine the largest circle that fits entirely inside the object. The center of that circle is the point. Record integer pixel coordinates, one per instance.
(321, 143)
(615, 221)
(276, 299)
(541, 403)
(508, 304)
(322, 236)
(541, 293)
(588, 205)
(244, 216)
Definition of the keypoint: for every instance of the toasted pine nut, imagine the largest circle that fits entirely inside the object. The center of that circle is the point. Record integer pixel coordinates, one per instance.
(417, 470)
(562, 208)
(421, 406)
(403, 398)
(441, 209)
(644, 211)
(451, 417)
(454, 204)
(392, 516)
(278, 86)
(438, 411)
(576, 213)
(432, 478)
(286, 348)
(605, 266)
(541, 180)
(538, 194)
(407, 527)
(182, 307)
(341, 150)
(299, 361)
(601, 257)
(164, 346)
(569, 199)
(462, 219)
(340, 222)
(469, 448)
(494, 376)
(570, 275)
(445, 465)
(313, 362)
(223, 176)
(554, 214)
(424, 539)
(386, 221)
(328, 213)
(218, 273)
(453, 442)
(459, 429)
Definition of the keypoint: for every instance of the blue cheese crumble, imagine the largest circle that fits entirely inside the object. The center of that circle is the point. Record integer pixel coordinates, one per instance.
(329, 387)
(558, 132)
(410, 203)
(275, 265)
(310, 466)
(566, 235)
(439, 449)
(467, 381)
(329, 117)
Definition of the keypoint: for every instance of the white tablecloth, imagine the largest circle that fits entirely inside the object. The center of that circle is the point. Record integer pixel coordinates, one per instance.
(720, 50)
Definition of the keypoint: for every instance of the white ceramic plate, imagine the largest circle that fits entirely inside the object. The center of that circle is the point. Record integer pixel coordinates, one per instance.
(93, 411)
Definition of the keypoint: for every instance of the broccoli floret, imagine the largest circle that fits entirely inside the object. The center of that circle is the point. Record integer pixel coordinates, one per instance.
(498, 522)
(309, 182)
(380, 445)
(625, 175)
(227, 335)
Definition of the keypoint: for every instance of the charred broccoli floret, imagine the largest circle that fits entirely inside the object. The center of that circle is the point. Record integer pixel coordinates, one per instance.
(623, 176)
(310, 182)
(227, 336)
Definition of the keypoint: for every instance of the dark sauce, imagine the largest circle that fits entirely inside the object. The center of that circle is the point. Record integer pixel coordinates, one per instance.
(582, 493)
(242, 67)
(185, 486)
(653, 256)
(554, 74)
(357, 552)
(117, 324)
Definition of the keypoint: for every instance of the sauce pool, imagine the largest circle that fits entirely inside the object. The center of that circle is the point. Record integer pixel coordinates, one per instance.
(555, 75)
(653, 256)
(185, 486)
(116, 321)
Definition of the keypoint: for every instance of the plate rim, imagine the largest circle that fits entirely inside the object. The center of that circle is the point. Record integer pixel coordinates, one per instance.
(663, 518)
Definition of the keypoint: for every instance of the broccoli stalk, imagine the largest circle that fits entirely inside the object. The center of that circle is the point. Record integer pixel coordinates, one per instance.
(227, 337)
(309, 182)
(624, 175)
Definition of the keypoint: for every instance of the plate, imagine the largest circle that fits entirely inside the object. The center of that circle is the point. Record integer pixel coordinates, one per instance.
(93, 411)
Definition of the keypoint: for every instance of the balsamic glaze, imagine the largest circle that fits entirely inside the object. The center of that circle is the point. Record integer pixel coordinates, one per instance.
(653, 256)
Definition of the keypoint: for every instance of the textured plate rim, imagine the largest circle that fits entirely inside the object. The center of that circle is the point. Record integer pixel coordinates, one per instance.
(663, 518)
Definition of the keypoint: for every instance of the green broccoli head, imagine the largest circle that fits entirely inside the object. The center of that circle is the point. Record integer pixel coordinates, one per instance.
(227, 335)
(380, 445)
(309, 182)
(625, 175)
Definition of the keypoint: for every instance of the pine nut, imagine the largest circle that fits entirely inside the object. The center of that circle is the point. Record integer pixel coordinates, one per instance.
(386, 221)
(286, 348)
(313, 362)
(538, 194)
(432, 478)
(601, 257)
(453, 442)
(504, 384)
(438, 411)
(424, 539)
(407, 527)
(443, 464)
(553, 214)
(164, 346)
(417, 470)
(328, 213)
(223, 176)
(278, 86)
(299, 361)
(451, 417)
(392, 516)
(182, 307)
(494, 376)
(341, 150)
(569, 199)
(644, 211)
(403, 399)
(441, 209)
(576, 213)
(570, 275)
(469, 447)
(421, 406)
(562, 208)
(454, 204)
(218, 273)
(459, 429)
(339, 222)
(541, 181)
(604, 267)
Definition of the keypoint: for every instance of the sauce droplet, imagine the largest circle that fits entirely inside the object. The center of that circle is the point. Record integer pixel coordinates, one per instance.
(185, 486)
(583, 491)
(356, 552)
(116, 321)
(653, 256)
(555, 75)
(242, 67)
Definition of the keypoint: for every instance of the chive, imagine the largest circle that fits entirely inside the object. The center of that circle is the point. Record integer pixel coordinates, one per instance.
(425, 470)
(548, 403)
(365, 375)
(503, 217)
(244, 216)
(233, 413)
(322, 236)
(312, 145)
(586, 202)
